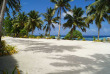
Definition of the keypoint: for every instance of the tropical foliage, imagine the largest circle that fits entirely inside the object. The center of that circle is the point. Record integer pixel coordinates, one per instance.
(7, 49)
(49, 18)
(75, 34)
(59, 6)
(98, 12)
(76, 20)
(34, 21)
(5, 5)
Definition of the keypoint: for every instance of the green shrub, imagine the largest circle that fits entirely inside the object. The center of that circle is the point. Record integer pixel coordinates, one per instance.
(94, 39)
(104, 39)
(83, 39)
(53, 37)
(41, 35)
(75, 34)
(98, 40)
(32, 36)
(108, 39)
(13, 72)
(7, 49)
(25, 36)
(79, 38)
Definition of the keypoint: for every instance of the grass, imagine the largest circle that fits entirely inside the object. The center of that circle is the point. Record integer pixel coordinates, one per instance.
(13, 72)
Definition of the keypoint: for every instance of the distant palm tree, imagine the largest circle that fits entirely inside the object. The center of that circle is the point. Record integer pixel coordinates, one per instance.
(76, 20)
(59, 6)
(34, 21)
(13, 4)
(49, 18)
(98, 14)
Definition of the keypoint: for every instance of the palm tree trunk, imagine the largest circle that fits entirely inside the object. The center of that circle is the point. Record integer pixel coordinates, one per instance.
(71, 32)
(1, 18)
(98, 32)
(49, 31)
(32, 32)
(59, 24)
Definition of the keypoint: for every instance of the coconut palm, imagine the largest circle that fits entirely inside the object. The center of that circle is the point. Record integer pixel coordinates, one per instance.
(14, 5)
(49, 18)
(98, 16)
(20, 22)
(34, 21)
(76, 20)
(4, 6)
(59, 6)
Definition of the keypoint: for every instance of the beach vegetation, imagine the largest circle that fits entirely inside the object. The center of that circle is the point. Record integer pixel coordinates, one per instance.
(83, 39)
(5, 5)
(75, 21)
(61, 5)
(108, 39)
(32, 36)
(104, 39)
(78, 38)
(53, 37)
(94, 39)
(98, 12)
(75, 34)
(7, 49)
(50, 19)
(13, 72)
(34, 21)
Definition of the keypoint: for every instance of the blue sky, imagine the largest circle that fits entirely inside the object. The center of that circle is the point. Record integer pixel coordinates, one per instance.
(42, 5)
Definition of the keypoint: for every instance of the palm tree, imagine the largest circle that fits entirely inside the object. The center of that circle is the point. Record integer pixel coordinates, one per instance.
(59, 6)
(94, 14)
(49, 18)
(13, 4)
(75, 20)
(34, 21)
(20, 22)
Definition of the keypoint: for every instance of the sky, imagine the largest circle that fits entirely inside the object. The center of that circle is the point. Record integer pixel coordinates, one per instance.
(42, 5)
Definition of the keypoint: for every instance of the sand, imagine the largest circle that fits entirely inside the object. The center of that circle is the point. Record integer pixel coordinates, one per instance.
(42, 56)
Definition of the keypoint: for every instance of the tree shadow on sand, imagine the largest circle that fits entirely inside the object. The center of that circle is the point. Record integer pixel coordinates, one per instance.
(47, 48)
(7, 64)
(39, 46)
(81, 65)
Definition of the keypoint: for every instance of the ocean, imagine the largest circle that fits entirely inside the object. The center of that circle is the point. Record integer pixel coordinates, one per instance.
(87, 37)
(90, 38)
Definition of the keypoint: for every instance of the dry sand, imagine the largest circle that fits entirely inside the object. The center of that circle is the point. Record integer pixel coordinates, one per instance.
(42, 56)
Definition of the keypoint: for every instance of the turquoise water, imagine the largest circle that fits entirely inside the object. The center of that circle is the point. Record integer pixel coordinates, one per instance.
(90, 38)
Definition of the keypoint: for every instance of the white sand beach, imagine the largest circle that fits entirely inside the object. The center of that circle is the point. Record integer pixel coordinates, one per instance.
(42, 56)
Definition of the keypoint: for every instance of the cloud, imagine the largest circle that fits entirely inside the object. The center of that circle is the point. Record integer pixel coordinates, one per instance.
(68, 12)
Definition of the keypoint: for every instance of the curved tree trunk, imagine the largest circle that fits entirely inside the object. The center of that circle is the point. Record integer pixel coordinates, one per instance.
(98, 32)
(1, 18)
(71, 32)
(59, 24)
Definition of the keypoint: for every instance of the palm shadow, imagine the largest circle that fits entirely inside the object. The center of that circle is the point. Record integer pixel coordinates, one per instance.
(8, 64)
(39, 46)
(100, 64)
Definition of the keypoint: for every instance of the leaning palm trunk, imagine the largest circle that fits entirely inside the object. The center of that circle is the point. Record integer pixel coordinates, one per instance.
(1, 18)
(59, 24)
(98, 32)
